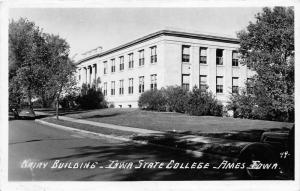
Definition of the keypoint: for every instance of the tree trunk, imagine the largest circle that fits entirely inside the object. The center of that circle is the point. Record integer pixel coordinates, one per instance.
(57, 105)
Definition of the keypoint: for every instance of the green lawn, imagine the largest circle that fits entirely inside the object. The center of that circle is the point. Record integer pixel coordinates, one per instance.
(175, 121)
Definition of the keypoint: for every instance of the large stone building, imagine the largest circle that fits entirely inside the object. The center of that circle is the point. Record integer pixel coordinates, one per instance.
(164, 58)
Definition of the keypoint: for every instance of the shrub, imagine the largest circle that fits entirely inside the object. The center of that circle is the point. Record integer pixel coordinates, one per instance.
(91, 98)
(153, 100)
(203, 103)
(177, 98)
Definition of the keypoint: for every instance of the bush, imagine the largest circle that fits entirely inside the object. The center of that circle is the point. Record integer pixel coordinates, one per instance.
(91, 98)
(203, 103)
(242, 105)
(251, 107)
(153, 100)
(177, 98)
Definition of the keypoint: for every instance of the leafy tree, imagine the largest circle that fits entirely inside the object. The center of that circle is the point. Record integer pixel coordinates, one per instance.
(39, 64)
(267, 47)
(25, 47)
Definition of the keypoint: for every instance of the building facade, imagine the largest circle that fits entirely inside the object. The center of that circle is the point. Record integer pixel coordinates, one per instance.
(161, 59)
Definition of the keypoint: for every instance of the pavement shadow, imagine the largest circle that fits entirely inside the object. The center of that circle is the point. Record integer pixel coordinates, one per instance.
(139, 154)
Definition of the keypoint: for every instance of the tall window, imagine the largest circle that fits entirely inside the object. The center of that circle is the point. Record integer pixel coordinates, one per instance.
(185, 81)
(121, 87)
(130, 87)
(153, 57)
(130, 56)
(185, 53)
(113, 65)
(219, 57)
(235, 61)
(141, 84)
(203, 55)
(250, 88)
(121, 62)
(153, 79)
(141, 58)
(219, 88)
(105, 67)
(105, 88)
(235, 85)
(203, 82)
(113, 88)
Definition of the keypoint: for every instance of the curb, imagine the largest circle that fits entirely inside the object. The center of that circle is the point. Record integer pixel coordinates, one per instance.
(196, 153)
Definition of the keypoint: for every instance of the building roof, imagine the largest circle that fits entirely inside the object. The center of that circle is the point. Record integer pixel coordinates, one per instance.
(162, 33)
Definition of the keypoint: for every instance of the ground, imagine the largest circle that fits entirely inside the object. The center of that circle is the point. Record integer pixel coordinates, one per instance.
(168, 121)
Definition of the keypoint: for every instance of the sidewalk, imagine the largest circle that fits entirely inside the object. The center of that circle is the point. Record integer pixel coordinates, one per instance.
(193, 142)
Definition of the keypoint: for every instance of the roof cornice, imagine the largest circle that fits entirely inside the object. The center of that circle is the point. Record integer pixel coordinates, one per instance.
(163, 33)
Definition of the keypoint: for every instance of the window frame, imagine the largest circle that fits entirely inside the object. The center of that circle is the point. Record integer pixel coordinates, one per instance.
(219, 88)
(185, 57)
(185, 86)
(153, 82)
(200, 60)
(153, 54)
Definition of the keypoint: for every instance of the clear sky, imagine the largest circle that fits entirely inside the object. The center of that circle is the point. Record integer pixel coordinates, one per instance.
(87, 28)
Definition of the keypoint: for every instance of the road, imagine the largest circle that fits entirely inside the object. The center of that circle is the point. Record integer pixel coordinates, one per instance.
(43, 147)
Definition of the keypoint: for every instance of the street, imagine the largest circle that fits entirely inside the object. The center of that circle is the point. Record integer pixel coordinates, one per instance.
(38, 152)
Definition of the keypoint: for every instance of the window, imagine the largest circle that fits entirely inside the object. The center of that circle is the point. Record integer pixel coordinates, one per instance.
(219, 57)
(250, 88)
(105, 67)
(219, 88)
(185, 81)
(121, 87)
(105, 89)
(203, 55)
(113, 88)
(235, 60)
(113, 65)
(141, 58)
(130, 87)
(153, 84)
(130, 60)
(141, 84)
(235, 85)
(203, 82)
(153, 58)
(121, 63)
(185, 53)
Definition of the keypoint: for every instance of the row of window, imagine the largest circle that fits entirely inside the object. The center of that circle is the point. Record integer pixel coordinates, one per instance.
(153, 85)
(203, 83)
(153, 59)
(203, 56)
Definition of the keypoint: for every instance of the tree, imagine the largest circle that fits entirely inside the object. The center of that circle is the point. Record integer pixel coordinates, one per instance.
(25, 48)
(267, 47)
(39, 64)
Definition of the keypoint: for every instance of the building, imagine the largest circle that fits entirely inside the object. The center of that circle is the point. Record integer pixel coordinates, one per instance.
(165, 58)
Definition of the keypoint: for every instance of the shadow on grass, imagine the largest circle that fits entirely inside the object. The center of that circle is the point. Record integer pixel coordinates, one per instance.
(101, 116)
(251, 135)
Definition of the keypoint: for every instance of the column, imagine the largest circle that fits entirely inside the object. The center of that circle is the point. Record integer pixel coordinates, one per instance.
(212, 70)
(195, 72)
(228, 72)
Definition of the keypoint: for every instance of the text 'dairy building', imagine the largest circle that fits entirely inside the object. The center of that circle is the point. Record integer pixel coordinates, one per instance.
(161, 59)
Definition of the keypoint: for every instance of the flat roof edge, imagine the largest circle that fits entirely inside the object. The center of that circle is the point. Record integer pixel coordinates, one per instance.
(160, 33)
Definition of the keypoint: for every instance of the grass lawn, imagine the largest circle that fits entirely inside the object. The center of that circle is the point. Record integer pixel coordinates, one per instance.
(166, 121)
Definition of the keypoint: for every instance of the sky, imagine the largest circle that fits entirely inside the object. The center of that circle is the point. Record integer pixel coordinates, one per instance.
(88, 28)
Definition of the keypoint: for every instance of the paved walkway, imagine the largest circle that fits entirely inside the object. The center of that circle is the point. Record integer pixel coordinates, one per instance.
(105, 125)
